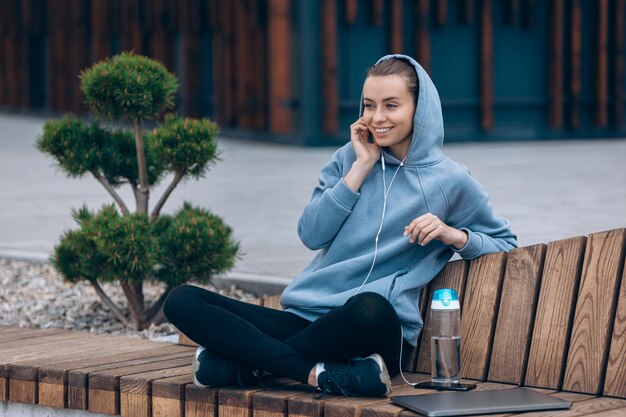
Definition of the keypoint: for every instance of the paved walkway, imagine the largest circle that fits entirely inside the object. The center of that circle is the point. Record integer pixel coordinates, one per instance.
(548, 190)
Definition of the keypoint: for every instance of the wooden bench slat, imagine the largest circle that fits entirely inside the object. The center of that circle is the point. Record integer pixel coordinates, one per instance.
(592, 406)
(55, 389)
(135, 390)
(200, 402)
(24, 373)
(615, 381)
(105, 387)
(453, 275)
(515, 314)
(22, 379)
(235, 401)
(595, 308)
(274, 403)
(168, 396)
(272, 301)
(555, 307)
(482, 294)
(77, 376)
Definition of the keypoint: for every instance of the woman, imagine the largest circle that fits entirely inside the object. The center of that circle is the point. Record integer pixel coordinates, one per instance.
(388, 213)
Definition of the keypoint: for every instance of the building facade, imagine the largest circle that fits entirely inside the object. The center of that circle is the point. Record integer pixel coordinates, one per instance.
(292, 70)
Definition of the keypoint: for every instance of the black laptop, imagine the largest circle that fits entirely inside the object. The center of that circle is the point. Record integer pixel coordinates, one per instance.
(480, 402)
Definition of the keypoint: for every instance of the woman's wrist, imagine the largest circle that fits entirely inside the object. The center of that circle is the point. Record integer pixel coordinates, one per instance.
(461, 239)
(359, 170)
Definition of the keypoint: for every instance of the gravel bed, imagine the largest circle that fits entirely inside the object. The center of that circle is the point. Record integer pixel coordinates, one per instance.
(33, 294)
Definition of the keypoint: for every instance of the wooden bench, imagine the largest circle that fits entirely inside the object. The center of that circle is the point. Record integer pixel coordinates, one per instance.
(549, 316)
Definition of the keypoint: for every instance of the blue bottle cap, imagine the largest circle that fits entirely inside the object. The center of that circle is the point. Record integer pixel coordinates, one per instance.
(445, 299)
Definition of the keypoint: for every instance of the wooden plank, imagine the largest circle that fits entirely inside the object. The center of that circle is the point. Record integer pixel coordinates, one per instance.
(183, 339)
(351, 11)
(442, 12)
(377, 10)
(135, 390)
(615, 381)
(575, 89)
(595, 406)
(511, 343)
(200, 402)
(555, 307)
(273, 301)
(106, 388)
(235, 402)
(275, 403)
(595, 310)
(602, 65)
(100, 35)
(453, 275)
(25, 373)
(157, 42)
(422, 34)
(513, 7)
(555, 82)
(228, 49)
(395, 37)
(260, 85)
(468, 11)
(342, 407)
(330, 90)
(618, 65)
(243, 54)
(480, 303)
(54, 381)
(279, 65)
(75, 375)
(486, 66)
(168, 396)
(131, 26)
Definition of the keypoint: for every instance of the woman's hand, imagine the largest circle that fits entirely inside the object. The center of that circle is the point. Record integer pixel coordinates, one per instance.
(427, 227)
(366, 152)
(366, 155)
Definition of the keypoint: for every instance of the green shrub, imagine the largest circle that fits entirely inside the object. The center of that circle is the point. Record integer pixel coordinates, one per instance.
(116, 244)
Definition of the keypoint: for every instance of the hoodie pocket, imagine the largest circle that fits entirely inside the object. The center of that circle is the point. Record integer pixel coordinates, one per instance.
(392, 288)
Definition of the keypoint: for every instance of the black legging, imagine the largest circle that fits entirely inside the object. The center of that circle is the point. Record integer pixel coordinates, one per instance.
(283, 343)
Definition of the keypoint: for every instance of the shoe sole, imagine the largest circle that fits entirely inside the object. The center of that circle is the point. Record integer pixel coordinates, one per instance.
(196, 366)
(384, 373)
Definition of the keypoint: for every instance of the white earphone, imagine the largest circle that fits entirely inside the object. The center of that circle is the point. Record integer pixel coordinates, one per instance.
(382, 218)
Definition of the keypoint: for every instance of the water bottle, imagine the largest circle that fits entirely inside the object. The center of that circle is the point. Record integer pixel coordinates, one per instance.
(445, 345)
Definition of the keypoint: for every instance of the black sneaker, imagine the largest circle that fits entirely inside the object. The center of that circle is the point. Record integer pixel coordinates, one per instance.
(356, 377)
(213, 370)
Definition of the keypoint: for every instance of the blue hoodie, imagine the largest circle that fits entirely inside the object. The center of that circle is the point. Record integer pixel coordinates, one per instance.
(342, 224)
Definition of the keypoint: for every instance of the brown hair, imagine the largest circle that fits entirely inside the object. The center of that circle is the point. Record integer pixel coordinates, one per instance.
(400, 67)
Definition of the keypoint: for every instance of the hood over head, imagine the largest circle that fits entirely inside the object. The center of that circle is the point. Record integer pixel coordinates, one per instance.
(427, 141)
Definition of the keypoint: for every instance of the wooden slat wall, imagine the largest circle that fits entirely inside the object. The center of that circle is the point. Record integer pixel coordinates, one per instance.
(555, 307)
(556, 66)
(575, 88)
(615, 381)
(486, 66)
(618, 55)
(479, 315)
(330, 93)
(602, 64)
(251, 52)
(396, 27)
(516, 314)
(279, 63)
(422, 34)
(597, 298)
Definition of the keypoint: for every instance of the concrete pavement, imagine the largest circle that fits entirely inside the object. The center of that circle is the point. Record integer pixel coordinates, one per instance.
(548, 190)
